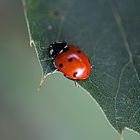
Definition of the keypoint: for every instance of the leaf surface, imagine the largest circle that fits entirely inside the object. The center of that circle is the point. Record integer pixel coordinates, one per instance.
(109, 33)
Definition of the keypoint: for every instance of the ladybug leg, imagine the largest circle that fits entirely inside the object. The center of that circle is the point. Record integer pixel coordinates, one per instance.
(76, 84)
(55, 70)
(45, 59)
(52, 60)
(66, 76)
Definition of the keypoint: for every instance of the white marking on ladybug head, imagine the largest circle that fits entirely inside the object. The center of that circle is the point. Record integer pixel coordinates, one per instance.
(51, 51)
(66, 46)
(61, 51)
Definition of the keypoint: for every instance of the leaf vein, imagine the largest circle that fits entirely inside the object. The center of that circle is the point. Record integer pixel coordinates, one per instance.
(124, 37)
(118, 87)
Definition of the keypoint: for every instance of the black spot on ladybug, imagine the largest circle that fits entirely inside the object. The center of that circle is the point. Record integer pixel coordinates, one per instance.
(66, 49)
(74, 74)
(60, 65)
(70, 59)
(79, 51)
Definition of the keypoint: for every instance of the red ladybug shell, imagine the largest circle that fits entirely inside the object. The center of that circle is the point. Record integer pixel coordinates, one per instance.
(73, 63)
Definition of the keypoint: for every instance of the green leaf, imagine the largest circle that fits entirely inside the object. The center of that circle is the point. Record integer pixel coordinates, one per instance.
(108, 31)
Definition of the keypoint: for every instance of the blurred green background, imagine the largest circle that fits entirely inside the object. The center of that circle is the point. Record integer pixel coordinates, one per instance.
(61, 111)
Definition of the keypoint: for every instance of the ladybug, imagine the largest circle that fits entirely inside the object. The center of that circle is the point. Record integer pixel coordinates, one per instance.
(70, 60)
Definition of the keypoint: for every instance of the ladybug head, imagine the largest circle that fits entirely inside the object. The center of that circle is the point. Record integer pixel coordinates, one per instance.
(56, 48)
